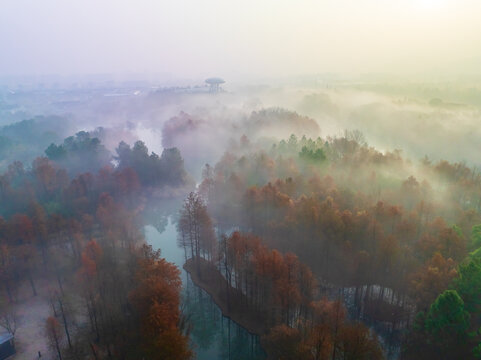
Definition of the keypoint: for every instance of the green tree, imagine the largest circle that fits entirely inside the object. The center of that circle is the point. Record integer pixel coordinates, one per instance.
(476, 236)
(315, 156)
(468, 284)
(477, 351)
(446, 325)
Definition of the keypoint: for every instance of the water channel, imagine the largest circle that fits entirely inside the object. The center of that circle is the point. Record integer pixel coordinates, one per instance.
(213, 336)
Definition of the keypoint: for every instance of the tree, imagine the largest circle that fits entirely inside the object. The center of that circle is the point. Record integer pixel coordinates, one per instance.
(88, 275)
(289, 286)
(80, 153)
(468, 284)
(314, 156)
(195, 227)
(283, 343)
(65, 311)
(476, 236)
(333, 315)
(8, 318)
(446, 324)
(91, 257)
(172, 167)
(156, 299)
(168, 169)
(44, 173)
(7, 270)
(356, 342)
(54, 335)
(431, 280)
(39, 220)
(319, 340)
(27, 256)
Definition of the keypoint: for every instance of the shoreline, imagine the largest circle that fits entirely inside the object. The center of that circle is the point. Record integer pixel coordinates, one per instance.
(213, 283)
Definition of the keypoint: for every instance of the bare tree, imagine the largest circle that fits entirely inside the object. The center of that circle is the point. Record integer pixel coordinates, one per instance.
(54, 335)
(8, 318)
(195, 228)
(65, 311)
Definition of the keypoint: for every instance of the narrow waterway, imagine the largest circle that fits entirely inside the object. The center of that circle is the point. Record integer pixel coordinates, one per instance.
(213, 336)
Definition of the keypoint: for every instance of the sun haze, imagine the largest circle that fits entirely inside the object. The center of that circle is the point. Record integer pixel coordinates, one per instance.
(235, 38)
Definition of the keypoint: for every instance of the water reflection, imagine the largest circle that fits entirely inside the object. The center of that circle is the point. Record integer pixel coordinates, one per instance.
(213, 336)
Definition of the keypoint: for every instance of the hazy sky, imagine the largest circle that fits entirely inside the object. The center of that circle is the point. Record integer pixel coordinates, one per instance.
(196, 38)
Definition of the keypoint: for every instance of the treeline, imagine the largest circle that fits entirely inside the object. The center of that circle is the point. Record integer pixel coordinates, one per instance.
(85, 153)
(79, 153)
(389, 233)
(25, 140)
(112, 297)
(166, 170)
(47, 182)
(275, 289)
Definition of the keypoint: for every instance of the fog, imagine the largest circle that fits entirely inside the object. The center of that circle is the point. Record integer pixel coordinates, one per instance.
(419, 118)
(189, 39)
(315, 163)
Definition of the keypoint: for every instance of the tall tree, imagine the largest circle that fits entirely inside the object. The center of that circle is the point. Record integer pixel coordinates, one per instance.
(446, 324)
(156, 299)
(54, 335)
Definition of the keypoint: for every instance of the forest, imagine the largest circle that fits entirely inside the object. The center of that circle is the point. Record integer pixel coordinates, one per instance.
(240, 180)
(400, 254)
(315, 247)
(111, 295)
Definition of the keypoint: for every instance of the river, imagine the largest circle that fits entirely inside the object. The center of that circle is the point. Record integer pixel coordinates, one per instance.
(213, 336)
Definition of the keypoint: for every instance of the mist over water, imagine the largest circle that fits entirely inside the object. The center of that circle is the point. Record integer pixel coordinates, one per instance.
(250, 180)
(213, 335)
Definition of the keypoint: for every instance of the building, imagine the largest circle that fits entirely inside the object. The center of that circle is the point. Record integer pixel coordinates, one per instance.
(214, 84)
(7, 346)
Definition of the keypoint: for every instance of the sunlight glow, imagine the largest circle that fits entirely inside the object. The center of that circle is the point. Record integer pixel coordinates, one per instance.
(430, 4)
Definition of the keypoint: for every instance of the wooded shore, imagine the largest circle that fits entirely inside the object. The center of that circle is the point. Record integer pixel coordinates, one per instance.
(231, 301)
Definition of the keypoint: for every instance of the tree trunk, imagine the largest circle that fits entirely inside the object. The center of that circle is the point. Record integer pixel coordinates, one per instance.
(64, 319)
(32, 284)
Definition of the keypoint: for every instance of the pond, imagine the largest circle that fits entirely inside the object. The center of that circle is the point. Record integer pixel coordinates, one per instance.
(213, 336)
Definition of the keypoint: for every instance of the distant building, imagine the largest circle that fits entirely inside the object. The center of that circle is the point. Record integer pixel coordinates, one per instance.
(7, 346)
(214, 84)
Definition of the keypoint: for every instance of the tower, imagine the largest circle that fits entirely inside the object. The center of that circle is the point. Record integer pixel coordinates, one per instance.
(214, 84)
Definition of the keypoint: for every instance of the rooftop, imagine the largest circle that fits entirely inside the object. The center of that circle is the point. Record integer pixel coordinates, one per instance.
(214, 80)
(4, 337)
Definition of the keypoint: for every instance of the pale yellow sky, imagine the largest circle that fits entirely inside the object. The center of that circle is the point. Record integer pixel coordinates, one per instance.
(195, 38)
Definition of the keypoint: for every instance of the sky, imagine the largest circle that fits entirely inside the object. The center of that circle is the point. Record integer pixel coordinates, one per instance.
(199, 38)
